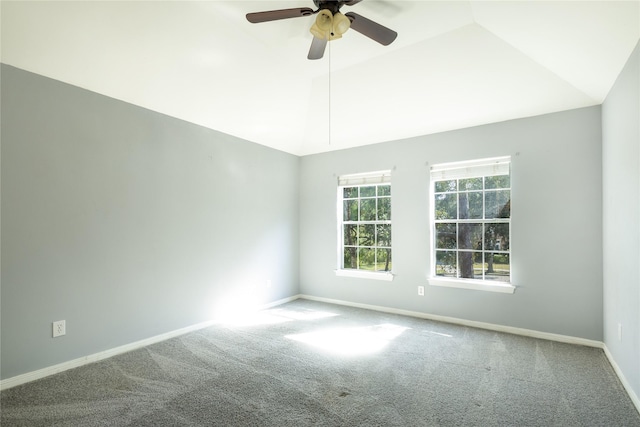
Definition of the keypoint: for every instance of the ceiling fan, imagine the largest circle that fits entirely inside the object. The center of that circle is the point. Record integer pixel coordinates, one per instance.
(330, 23)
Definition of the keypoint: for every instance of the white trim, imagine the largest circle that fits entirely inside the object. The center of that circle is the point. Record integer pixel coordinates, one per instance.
(463, 322)
(632, 395)
(278, 302)
(471, 169)
(367, 178)
(364, 274)
(485, 285)
(81, 361)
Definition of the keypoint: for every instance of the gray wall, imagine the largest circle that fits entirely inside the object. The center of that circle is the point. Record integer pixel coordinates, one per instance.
(621, 219)
(556, 224)
(129, 224)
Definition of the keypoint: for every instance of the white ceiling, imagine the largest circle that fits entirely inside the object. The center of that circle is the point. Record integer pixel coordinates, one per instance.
(454, 64)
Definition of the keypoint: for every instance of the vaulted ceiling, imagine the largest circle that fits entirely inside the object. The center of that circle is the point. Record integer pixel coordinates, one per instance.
(454, 64)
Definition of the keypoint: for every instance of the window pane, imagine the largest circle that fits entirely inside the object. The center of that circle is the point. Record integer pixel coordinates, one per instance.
(475, 205)
(383, 231)
(366, 235)
(497, 267)
(502, 181)
(446, 236)
(497, 204)
(350, 260)
(465, 265)
(446, 264)
(366, 258)
(383, 257)
(349, 192)
(384, 209)
(444, 186)
(470, 205)
(350, 210)
(470, 236)
(496, 236)
(368, 210)
(471, 184)
(446, 206)
(350, 234)
(478, 264)
(367, 191)
(384, 190)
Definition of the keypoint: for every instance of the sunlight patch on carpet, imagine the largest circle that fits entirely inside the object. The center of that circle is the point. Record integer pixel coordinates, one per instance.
(351, 341)
(439, 334)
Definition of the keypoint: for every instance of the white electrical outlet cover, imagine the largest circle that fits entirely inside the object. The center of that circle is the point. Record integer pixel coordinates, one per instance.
(59, 328)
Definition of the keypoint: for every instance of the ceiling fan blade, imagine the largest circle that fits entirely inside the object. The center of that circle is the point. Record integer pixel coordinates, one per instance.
(316, 51)
(371, 29)
(352, 2)
(274, 15)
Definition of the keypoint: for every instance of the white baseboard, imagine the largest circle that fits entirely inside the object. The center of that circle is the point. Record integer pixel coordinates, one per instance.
(632, 395)
(280, 302)
(81, 361)
(471, 323)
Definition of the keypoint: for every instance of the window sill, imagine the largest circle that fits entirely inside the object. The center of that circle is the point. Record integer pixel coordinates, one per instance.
(376, 275)
(472, 284)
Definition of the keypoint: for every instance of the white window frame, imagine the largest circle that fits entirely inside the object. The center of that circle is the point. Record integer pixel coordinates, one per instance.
(458, 170)
(359, 180)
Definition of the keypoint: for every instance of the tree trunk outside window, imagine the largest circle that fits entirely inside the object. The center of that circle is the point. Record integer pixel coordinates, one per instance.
(465, 259)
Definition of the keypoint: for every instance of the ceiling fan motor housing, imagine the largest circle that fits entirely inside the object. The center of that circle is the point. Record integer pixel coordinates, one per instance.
(331, 6)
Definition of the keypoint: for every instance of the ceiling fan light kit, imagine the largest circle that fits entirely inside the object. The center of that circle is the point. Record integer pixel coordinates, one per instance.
(330, 27)
(330, 24)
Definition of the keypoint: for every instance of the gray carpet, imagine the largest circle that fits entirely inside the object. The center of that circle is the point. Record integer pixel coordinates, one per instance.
(309, 363)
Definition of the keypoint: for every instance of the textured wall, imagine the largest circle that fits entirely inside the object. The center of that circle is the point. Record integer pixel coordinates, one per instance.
(128, 224)
(556, 223)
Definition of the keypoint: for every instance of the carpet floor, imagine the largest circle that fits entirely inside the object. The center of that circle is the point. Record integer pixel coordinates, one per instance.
(307, 363)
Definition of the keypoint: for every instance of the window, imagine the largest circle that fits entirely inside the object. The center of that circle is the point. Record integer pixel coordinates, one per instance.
(471, 224)
(364, 221)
